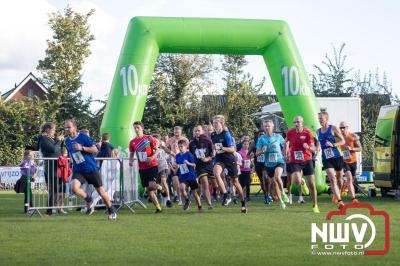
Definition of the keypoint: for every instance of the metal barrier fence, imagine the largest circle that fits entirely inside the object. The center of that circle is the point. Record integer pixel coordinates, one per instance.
(52, 192)
(129, 185)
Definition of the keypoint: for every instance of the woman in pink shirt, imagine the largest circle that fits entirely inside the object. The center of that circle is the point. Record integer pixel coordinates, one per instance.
(245, 169)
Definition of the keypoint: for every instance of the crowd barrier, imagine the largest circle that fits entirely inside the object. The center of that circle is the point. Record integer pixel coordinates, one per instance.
(50, 193)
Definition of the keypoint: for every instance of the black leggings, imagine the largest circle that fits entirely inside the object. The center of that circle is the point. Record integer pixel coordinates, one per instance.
(259, 167)
(244, 180)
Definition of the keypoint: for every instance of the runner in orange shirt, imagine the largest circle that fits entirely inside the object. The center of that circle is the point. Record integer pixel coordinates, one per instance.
(350, 149)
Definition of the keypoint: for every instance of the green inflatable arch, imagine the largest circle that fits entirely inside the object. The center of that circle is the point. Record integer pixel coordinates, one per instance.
(147, 37)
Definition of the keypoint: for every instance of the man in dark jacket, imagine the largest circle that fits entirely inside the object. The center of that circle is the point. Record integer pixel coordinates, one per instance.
(106, 148)
(50, 147)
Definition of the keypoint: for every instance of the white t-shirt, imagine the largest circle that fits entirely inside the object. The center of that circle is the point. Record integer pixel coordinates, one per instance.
(162, 160)
(238, 160)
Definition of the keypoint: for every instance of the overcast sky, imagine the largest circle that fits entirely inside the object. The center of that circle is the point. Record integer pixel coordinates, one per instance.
(369, 28)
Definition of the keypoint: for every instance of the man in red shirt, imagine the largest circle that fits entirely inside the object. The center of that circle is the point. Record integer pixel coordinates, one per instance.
(145, 147)
(301, 144)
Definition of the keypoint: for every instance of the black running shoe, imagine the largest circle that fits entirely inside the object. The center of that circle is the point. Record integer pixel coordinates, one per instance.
(224, 199)
(186, 206)
(176, 199)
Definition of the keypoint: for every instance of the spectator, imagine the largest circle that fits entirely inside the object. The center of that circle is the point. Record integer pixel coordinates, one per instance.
(50, 147)
(106, 148)
(27, 165)
(63, 173)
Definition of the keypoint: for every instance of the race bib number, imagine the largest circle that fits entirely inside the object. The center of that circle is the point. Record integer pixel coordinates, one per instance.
(225, 171)
(329, 153)
(261, 158)
(272, 157)
(78, 157)
(200, 153)
(183, 168)
(142, 156)
(346, 154)
(218, 148)
(299, 155)
(246, 164)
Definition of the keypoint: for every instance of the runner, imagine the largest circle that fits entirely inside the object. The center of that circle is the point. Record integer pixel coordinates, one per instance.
(301, 143)
(173, 150)
(163, 169)
(81, 149)
(271, 145)
(332, 159)
(145, 147)
(202, 149)
(245, 169)
(289, 173)
(224, 148)
(350, 149)
(231, 188)
(187, 177)
(259, 167)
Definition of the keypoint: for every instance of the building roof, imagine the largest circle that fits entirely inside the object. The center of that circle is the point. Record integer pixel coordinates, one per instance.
(9, 94)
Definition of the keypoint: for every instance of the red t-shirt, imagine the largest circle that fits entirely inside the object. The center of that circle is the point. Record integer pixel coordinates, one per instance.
(296, 140)
(144, 148)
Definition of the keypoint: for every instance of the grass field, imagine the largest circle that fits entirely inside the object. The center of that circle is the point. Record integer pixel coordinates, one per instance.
(223, 236)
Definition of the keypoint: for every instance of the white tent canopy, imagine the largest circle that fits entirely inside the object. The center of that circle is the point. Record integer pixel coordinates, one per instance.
(271, 108)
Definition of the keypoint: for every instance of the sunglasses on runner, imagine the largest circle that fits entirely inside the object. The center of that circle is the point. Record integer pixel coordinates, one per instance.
(342, 127)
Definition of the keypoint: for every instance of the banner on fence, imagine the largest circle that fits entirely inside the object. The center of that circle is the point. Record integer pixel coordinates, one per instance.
(9, 174)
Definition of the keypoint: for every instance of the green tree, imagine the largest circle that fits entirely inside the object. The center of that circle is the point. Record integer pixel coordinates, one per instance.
(242, 95)
(174, 94)
(333, 79)
(19, 125)
(62, 66)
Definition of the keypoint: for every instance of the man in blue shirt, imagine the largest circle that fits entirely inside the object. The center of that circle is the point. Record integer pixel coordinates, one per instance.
(187, 177)
(81, 149)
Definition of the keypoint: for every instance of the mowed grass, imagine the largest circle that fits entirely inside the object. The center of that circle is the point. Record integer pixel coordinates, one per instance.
(266, 235)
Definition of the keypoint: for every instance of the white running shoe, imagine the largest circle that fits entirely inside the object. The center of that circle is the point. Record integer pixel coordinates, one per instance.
(62, 211)
(112, 216)
(301, 199)
(228, 200)
(290, 199)
(180, 203)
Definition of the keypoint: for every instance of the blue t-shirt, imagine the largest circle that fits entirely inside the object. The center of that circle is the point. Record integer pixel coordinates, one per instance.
(223, 139)
(186, 172)
(84, 162)
(273, 154)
